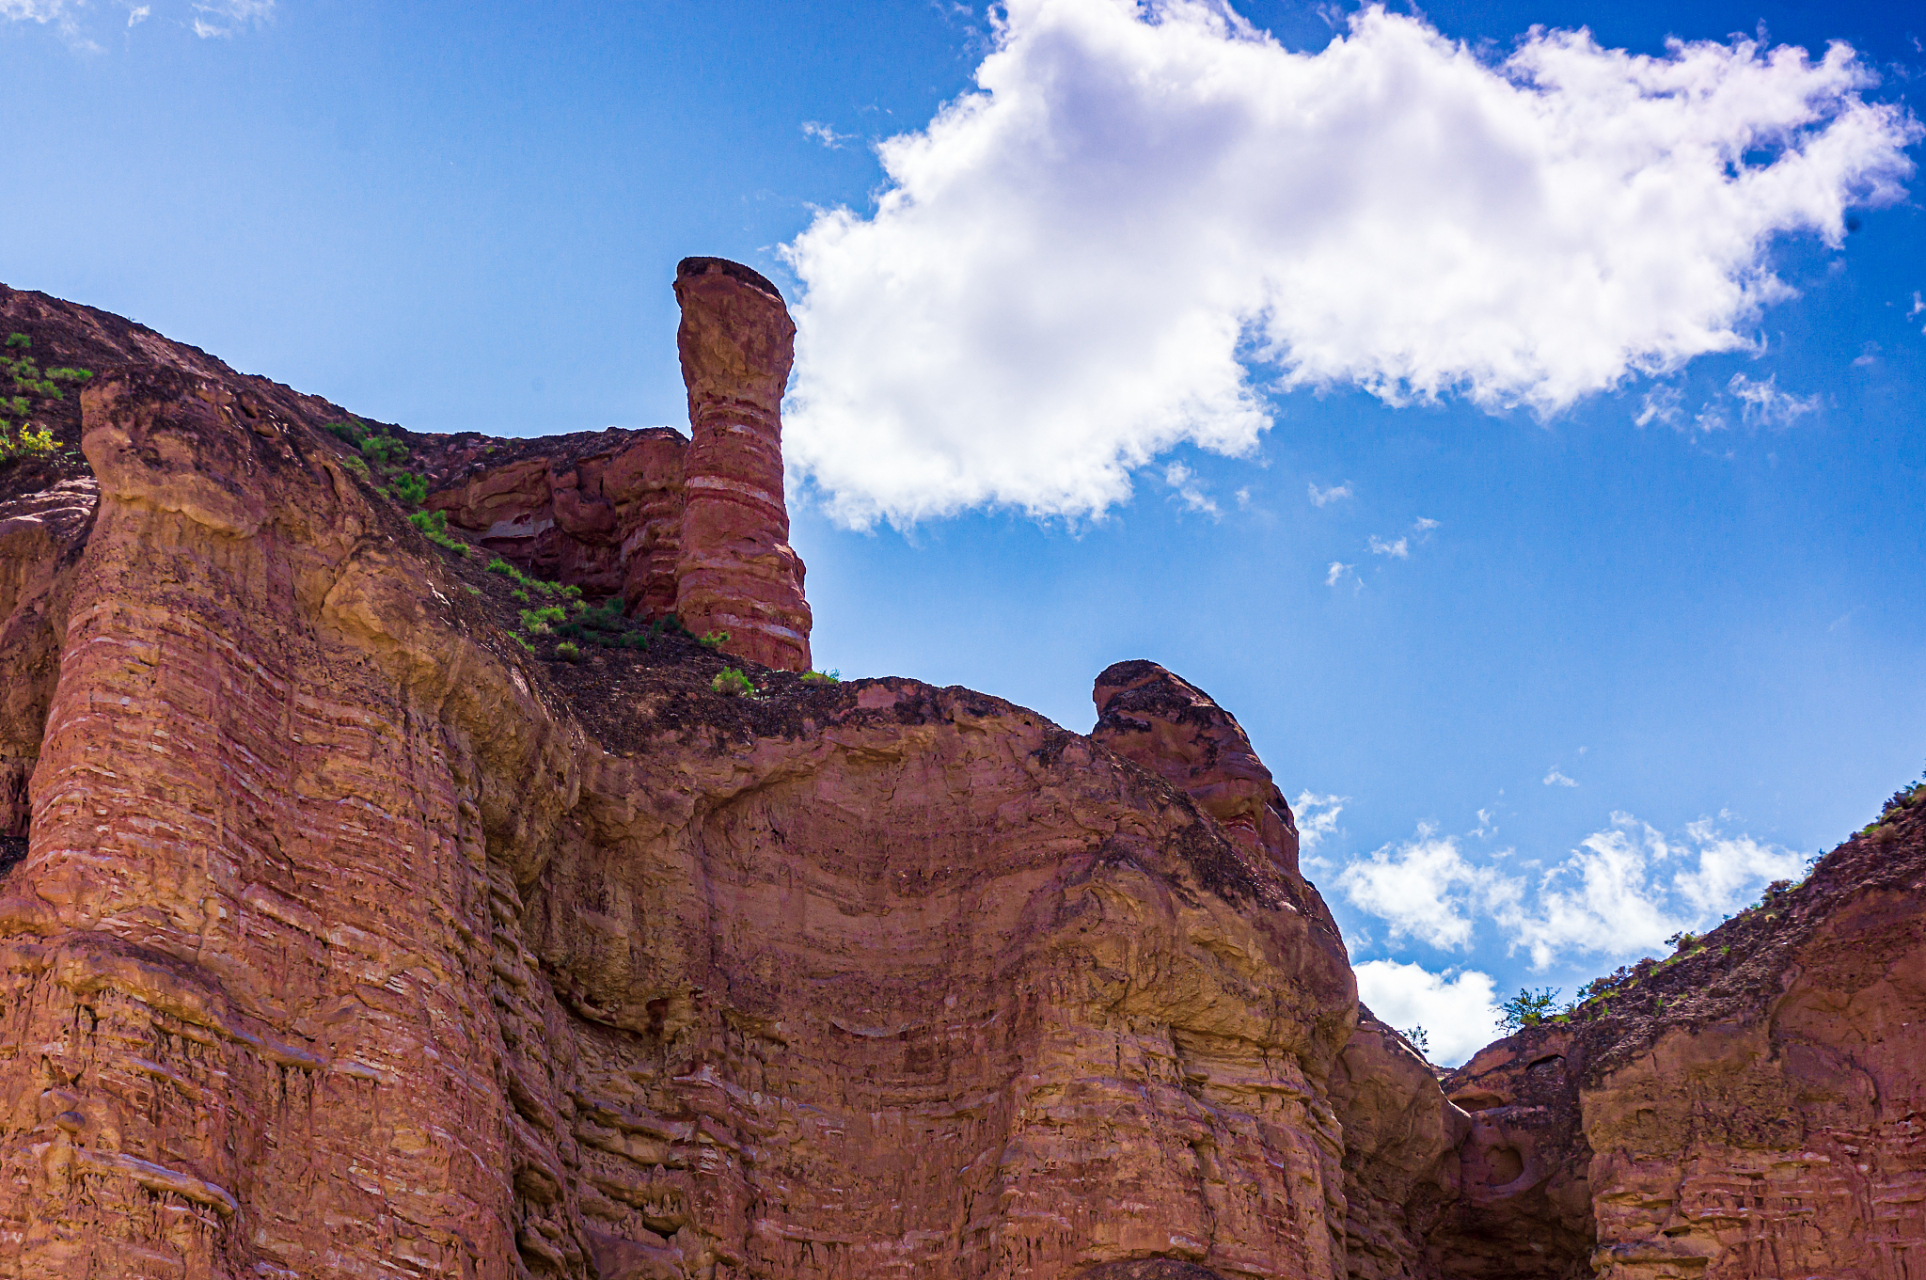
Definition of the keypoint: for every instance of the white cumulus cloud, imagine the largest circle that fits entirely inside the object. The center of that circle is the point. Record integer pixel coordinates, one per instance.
(1148, 215)
(1627, 888)
(1423, 888)
(1459, 1013)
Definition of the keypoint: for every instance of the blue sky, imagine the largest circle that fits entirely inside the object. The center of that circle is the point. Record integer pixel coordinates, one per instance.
(1523, 439)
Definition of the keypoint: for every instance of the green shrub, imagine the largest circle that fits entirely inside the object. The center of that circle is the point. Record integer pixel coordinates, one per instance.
(714, 640)
(732, 683)
(20, 340)
(412, 488)
(69, 375)
(29, 443)
(822, 677)
(434, 527)
(384, 450)
(1528, 1008)
(568, 652)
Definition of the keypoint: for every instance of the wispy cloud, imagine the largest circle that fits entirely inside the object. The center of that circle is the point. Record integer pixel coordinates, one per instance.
(1659, 404)
(1763, 404)
(1190, 489)
(220, 18)
(1335, 574)
(1557, 779)
(1074, 268)
(827, 136)
(1401, 549)
(1325, 497)
(42, 11)
(1621, 892)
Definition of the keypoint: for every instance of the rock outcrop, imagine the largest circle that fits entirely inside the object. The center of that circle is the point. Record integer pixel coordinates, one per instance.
(351, 926)
(1753, 1106)
(695, 528)
(736, 572)
(350, 938)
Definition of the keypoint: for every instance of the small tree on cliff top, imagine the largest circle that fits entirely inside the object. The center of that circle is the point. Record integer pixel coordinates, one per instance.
(1528, 1008)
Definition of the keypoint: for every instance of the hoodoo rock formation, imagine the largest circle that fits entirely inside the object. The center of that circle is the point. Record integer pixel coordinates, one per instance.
(355, 922)
(695, 528)
(737, 573)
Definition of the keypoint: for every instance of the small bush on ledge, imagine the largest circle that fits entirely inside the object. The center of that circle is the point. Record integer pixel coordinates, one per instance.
(731, 683)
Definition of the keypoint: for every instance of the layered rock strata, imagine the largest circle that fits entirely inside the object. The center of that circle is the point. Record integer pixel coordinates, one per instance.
(698, 528)
(343, 934)
(351, 940)
(736, 572)
(1753, 1106)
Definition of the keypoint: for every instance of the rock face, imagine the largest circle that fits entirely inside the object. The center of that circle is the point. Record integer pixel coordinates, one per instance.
(350, 939)
(1754, 1106)
(736, 572)
(343, 933)
(602, 510)
(1159, 721)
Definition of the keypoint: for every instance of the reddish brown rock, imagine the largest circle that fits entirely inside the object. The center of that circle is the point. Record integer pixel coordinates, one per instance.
(1751, 1107)
(1402, 1143)
(736, 571)
(1169, 726)
(351, 939)
(602, 510)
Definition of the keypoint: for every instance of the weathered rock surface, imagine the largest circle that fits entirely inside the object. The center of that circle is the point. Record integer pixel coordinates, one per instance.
(351, 940)
(1752, 1107)
(341, 934)
(736, 572)
(698, 528)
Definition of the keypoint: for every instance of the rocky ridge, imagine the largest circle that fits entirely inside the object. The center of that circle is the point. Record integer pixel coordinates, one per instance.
(351, 928)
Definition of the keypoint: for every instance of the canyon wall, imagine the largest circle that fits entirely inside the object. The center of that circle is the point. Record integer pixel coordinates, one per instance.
(345, 932)
(350, 939)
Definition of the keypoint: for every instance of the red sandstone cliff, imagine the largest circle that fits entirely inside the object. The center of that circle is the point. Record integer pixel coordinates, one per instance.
(348, 928)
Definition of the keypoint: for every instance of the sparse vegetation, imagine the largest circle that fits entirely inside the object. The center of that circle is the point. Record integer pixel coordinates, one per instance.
(714, 640)
(605, 625)
(541, 622)
(381, 458)
(410, 488)
(822, 677)
(1418, 1038)
(28, 443)
(732, 683)
(1528, 1008)
(568, 651)
(434, 527)
(528, 583)
(20, 340)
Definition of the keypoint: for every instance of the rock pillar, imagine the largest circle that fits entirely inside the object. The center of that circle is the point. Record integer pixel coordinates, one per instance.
(735, 571)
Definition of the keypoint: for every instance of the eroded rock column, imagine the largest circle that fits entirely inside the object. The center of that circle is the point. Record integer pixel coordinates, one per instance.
(736, 571)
